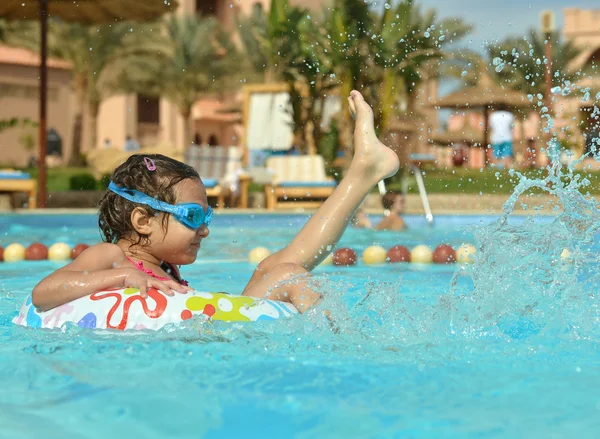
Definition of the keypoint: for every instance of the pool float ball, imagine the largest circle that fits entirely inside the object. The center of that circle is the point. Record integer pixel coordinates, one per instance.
(1, 254)
(398, 253)
(374, 255)
(59, 252)
(344, 256)
(14, 252)
(444, 254)
(36, 252)
(566, 255)
(421, 254)
(258, 254)
(465, 254)
(78, 249)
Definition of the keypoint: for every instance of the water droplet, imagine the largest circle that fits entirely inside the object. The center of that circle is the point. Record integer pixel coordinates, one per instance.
(464, 73)
(387, 6)
(427, 34)
(555, 90)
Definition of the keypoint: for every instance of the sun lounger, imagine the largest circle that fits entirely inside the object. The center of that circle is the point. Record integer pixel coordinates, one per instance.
(16, 181)
(300, 181)
(219, 168)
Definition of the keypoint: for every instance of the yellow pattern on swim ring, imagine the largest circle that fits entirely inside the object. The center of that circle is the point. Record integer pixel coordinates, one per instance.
(221, 306)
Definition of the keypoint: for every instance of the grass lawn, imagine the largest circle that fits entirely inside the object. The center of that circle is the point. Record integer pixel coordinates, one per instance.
(457, 181)
(59, 178)
(486, 181)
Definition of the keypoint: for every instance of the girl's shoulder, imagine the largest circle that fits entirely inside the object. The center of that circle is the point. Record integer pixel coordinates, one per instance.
(106, 248)
(103, 255)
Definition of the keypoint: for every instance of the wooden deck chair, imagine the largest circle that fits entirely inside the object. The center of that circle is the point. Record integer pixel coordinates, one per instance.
(16, 181)
(300, 180)
(218, 167)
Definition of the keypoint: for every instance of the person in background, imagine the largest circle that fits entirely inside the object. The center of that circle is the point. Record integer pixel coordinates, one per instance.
(592, 140)
(501, 124)
(131, 145)
(393, 203)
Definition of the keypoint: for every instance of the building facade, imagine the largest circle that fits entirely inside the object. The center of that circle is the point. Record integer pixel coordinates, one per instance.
(19, 98)
(150, 120)
(157, 121)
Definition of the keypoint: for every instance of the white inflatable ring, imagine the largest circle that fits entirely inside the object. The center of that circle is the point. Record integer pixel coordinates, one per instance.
(125, 309)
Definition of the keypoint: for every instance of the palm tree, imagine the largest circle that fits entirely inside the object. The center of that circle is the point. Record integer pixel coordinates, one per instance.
(286, 44)
(387, 55)
(90, 49)
(348, 47)
(520, 63)
(182, 59)
(271, 40)
(407, 50)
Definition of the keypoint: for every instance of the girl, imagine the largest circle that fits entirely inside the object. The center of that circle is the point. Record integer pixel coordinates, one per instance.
(155, 215)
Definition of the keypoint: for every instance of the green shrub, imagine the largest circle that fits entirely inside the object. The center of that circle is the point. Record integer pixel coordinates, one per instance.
(103, 182)
(83, 182)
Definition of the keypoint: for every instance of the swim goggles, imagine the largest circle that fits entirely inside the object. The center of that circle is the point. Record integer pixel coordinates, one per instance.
(189, 214)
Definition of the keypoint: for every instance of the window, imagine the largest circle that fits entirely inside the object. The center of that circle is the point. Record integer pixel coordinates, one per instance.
(594, 60)
(148, 109)
(207, 7)
(213, 141)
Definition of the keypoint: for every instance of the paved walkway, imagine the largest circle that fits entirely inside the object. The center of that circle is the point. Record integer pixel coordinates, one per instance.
(464, 204)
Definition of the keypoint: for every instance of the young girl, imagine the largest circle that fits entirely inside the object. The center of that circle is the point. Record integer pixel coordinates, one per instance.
(155, 215)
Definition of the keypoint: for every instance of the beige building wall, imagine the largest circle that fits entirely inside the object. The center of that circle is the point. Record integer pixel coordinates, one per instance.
(118, 115)
(582, 26)
(19, 97)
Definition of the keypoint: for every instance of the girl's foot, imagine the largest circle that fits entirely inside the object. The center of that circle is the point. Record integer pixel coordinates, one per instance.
(371, 157)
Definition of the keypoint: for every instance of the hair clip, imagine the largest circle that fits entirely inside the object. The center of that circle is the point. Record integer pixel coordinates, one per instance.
(149, 164)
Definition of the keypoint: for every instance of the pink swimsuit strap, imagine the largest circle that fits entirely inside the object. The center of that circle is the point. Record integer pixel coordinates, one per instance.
(140, 266)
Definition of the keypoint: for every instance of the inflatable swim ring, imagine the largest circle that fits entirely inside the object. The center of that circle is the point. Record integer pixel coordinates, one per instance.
(125, 309)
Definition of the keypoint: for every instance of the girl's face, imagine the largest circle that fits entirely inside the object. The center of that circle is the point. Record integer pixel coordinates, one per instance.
(180, 244)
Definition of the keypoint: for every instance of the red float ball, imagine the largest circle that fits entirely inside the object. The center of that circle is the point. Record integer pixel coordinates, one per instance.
(36, 252)
(344, 256)
(78, 249)
(1, 254)
(444, 254)
(398, 253)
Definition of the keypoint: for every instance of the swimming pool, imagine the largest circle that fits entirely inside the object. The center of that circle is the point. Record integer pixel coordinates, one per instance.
(507, 348)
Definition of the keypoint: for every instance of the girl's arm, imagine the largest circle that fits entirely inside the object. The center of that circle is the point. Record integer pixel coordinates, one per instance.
(98, 268)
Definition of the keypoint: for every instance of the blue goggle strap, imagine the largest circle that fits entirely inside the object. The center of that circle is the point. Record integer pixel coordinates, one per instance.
(142, 198)
(179, 211)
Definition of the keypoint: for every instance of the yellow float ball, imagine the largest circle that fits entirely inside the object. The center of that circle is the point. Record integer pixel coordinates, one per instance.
(465, 254)
(421, 254)
(59, 252)
(566, 255)
(14, 253)
(374, 255)
(328, 260)
(258, 254)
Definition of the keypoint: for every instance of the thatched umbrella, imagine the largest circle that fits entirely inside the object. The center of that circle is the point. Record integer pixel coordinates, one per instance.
(466, 135)
(77, 11)
(484, 95)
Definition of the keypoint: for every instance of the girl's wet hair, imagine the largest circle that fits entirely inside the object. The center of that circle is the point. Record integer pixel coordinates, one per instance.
(115, 211)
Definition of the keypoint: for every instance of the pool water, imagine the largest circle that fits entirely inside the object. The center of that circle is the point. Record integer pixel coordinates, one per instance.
(508, 347)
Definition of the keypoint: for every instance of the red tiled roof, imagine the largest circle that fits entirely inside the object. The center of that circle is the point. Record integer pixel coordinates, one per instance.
(24, 57)
(211, 109)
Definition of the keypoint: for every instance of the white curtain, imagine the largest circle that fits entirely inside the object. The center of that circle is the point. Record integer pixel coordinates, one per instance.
(270, 122)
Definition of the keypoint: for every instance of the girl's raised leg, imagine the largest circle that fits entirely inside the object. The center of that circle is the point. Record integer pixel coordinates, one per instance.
(372, 162)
